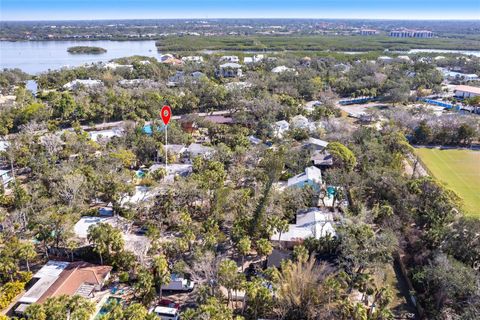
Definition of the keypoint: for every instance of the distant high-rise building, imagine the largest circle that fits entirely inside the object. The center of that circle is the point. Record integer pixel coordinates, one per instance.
(411, 33)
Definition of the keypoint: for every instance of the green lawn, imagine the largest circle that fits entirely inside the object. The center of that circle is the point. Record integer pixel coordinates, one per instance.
(459, 170)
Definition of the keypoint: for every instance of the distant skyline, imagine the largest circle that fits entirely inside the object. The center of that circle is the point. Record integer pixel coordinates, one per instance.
(203, 9)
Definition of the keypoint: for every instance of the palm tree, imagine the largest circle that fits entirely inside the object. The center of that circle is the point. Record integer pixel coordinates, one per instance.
(105, 239)
(228, 276)
(299, 289)
(244, 246)
(161, 272)
(27, 252)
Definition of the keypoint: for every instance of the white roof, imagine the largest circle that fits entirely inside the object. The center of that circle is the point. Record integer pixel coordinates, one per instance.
(196, 149)
(165, 310)
(4, 145)
(136, 82)
(173, 168)
(255, 58)
(248, 60)
(166, 56)
(300, 121)
(283, 124)
(230, 65)
(237, 85)
(106, 134)
(197, 74)
(318, 142)
(313, 223)
(312, 173)
(193, 58)
(230, 58)
(175, 148)
(310, 106)
(82, 225)
(469, 89)
(141, 193)
(254, 140)
(280, 69)
(87, 83)
(47, 275)
(114, 65)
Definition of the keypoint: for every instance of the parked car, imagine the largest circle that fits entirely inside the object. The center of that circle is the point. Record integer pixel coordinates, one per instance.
(165, 313)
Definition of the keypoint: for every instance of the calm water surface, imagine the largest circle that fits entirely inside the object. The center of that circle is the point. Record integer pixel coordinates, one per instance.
(38, 56)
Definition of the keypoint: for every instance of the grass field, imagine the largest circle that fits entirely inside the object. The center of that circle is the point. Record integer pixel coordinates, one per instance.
(459, 170)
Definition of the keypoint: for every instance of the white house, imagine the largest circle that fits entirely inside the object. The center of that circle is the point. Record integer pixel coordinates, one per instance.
(196, 149)
(311, 177)
(321, 158)
(233, 59)
(310, 106)
(114, 66)
(137, 244)
(81, 227)
(229, 70)
(280, 128)
(254, 59)
(175, 149)
(385, 59)
(466, 92)
(105, 135)
(452, 75)
(166, 57)
(129, 83)
(281, 69)
(141, 193)
(254, 140)
(404, 58)
(197, 74)
(5, 177)
(316, 144)
(239, 85)
(3, 147)
(89, 83)
(173, 170)
(312, 223)
(300, 122)
(194, 59)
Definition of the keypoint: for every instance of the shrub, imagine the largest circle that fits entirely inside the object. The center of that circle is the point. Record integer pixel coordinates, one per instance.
(123, 276)
(9, 291)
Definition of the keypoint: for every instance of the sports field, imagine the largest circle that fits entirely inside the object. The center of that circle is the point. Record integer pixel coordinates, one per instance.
(459, 170)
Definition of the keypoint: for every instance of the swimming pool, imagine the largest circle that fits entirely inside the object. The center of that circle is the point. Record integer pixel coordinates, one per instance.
(107, 306)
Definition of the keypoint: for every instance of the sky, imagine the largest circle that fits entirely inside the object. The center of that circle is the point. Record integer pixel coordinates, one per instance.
(165, 9)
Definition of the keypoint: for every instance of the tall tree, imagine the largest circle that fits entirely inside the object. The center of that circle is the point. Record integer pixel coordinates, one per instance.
(106, 239)
(26, 252)
(161, 272)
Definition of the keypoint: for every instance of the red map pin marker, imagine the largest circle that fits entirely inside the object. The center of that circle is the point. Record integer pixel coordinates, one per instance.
(166, 113)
